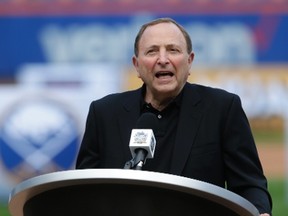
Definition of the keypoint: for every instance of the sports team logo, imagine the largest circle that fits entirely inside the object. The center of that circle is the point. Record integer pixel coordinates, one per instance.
(140, 137)
(38, 136)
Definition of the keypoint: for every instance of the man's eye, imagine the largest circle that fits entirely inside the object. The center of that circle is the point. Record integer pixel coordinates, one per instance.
(150, 52)
(174, 50)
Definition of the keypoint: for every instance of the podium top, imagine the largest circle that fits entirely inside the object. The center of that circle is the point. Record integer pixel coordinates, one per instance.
(30, 188)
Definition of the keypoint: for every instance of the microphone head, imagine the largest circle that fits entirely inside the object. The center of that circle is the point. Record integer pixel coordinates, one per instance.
(143, 137)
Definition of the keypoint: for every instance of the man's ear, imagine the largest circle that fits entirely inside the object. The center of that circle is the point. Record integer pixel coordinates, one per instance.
(136, 65)
(191, 58)
(190, 61)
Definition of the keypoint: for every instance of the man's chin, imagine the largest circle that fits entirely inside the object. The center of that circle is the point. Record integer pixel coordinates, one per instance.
(168, 90)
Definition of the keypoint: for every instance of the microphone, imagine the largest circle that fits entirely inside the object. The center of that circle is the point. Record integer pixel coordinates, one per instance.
(142, 141)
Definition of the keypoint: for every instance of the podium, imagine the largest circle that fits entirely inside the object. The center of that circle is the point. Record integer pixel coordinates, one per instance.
(117, 192)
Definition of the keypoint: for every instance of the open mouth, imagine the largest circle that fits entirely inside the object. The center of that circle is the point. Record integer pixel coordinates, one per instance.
(164, 74)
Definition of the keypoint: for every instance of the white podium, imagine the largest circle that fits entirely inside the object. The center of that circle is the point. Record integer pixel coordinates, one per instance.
(113, 192)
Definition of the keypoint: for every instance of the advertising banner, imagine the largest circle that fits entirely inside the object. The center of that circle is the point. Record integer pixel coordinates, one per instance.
(217, 40)
(42, 118)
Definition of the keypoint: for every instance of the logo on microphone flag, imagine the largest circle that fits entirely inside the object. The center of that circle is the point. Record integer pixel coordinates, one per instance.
(143, 138)
(140, 137)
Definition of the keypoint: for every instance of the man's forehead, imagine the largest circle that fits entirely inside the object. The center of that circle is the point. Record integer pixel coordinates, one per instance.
(161, 26)
(168, 35)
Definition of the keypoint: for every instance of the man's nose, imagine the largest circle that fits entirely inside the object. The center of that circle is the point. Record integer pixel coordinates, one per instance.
(163, 58)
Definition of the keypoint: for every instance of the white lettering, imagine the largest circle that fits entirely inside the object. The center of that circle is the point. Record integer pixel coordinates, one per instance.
(213, 44)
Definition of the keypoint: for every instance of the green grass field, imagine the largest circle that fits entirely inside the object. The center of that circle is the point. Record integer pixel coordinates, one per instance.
(276, 188)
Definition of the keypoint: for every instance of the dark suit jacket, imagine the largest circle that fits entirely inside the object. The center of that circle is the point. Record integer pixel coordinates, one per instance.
(213, 140)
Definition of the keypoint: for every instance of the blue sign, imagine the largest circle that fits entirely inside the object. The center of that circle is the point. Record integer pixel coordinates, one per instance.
(218, 39)
(38, 136)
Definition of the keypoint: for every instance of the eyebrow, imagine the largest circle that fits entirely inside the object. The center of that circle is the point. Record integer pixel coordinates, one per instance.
(168, 45)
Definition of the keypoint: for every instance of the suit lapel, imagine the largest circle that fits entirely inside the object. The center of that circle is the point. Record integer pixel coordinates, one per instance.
(128, 117)
(188, 124)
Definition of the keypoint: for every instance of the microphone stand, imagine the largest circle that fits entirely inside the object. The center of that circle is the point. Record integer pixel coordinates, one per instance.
(137, 161)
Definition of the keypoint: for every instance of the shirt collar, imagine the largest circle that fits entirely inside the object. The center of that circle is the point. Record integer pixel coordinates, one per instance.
(143, 103)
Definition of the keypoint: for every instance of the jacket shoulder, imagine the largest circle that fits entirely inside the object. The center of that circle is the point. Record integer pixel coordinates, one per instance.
(211, 92)
(116, 99)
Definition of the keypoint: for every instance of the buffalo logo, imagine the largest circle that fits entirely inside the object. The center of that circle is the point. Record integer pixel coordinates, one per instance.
(38, 136)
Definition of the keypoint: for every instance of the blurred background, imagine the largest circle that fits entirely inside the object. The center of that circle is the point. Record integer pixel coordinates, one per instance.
(56, 56)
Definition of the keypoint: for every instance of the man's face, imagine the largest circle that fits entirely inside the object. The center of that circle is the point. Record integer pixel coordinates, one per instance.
(163, 62)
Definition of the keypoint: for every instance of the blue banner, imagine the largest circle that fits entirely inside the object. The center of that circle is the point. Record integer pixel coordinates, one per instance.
(217, 39)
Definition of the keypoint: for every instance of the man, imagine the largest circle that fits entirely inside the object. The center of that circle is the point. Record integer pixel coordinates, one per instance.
(203, 132)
